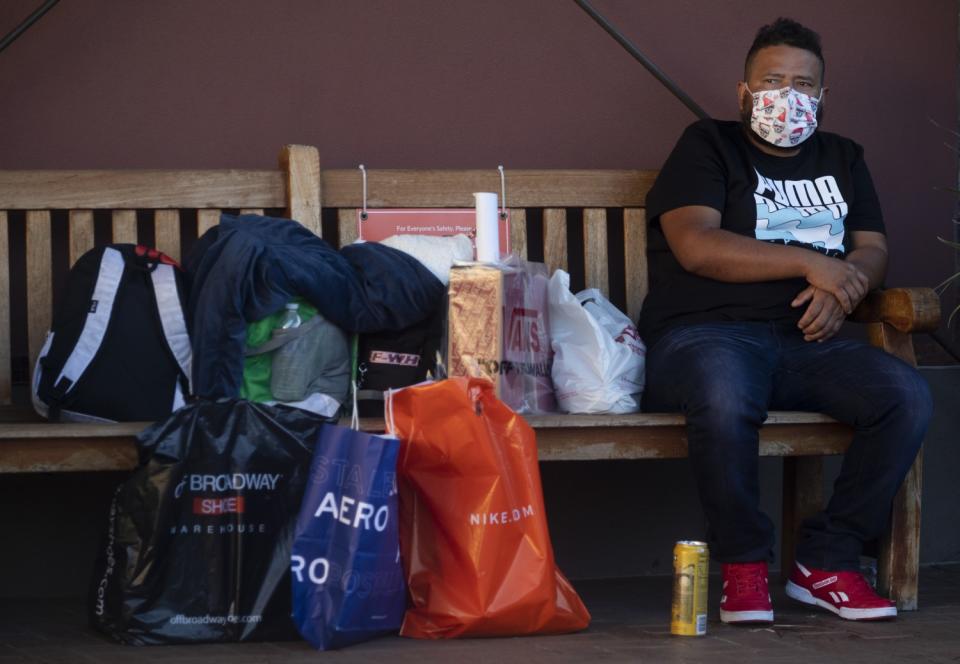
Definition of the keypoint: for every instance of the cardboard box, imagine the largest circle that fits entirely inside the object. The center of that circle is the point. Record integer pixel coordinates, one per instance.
(497, 329)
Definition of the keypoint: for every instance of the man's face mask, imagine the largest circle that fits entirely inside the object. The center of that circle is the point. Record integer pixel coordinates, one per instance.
(784, 118)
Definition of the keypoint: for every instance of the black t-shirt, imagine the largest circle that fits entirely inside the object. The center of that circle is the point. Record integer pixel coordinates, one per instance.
(814, 199)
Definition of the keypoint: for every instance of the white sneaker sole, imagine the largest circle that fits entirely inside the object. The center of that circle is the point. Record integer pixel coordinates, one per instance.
(805, 596)
(733, 617)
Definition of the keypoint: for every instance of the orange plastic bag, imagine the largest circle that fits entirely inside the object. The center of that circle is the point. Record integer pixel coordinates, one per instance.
(473, 532)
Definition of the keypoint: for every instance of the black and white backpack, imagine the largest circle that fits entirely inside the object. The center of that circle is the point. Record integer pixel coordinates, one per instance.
(118, 349)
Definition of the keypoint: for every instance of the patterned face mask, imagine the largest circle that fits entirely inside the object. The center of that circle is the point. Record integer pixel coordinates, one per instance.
(784, 117)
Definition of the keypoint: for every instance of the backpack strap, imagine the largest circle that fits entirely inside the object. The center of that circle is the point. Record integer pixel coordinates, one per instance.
(174, 326)
(94, 326)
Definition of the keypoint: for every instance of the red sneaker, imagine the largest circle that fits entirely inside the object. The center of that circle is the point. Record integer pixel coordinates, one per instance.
(845, 593)
(746, 597)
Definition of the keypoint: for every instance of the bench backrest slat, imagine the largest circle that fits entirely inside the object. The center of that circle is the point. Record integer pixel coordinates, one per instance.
(454, 188)
(81, 233)
(124, 226)
(555, 250)
(302, 185)
(635, 259)
(166, 232)
(141, 189)
(347, 225)
(518, 232)
(207, 219)
(596, 263)
(39, 259)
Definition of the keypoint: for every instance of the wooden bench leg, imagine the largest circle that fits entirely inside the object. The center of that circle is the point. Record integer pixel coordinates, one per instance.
(802, 498)
(899, 562)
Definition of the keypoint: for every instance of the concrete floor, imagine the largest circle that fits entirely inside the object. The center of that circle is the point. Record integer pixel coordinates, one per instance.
(630, 624)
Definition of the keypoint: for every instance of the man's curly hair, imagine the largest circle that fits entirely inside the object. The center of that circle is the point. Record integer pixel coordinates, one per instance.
(786, 32)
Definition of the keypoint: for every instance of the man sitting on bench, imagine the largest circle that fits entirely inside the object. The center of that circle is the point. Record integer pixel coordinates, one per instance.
(764, 234)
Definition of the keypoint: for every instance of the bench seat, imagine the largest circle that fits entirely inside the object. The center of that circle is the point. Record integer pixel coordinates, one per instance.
(42, 447)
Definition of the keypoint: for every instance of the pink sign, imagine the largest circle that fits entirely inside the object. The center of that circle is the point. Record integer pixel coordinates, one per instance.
(381, 224)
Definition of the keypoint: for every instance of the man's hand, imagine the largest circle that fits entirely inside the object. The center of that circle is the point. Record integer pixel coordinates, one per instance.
(824, 314)
(842, 279)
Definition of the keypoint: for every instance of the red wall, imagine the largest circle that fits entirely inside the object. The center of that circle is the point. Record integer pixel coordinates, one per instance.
(461, 83)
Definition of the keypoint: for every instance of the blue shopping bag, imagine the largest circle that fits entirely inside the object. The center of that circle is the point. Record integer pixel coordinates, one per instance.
(348, 582)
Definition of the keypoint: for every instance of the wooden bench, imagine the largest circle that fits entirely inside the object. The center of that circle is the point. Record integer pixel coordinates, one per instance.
(590, 223)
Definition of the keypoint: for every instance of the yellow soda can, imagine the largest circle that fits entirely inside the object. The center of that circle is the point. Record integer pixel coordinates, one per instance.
(691, 564)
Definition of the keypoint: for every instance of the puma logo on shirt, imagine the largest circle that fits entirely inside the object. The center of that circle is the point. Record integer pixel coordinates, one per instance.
(807, 211)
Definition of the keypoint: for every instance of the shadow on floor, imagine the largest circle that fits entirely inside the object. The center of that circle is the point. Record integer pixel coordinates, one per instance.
(630, 624)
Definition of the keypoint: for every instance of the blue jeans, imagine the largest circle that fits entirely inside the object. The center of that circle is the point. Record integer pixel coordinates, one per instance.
(725, 377)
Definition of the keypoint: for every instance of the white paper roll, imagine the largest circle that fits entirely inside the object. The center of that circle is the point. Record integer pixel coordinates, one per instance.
(488, 228)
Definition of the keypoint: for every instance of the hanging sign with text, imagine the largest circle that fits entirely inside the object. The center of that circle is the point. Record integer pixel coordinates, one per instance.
(381, 224)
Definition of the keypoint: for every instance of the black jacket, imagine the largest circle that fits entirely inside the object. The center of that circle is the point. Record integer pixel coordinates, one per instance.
(249, 266)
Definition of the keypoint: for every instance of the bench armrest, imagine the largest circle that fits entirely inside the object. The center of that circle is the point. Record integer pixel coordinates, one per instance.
(906, 309)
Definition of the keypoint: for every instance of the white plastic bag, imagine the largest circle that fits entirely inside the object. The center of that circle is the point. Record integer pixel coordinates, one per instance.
(599, 359)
